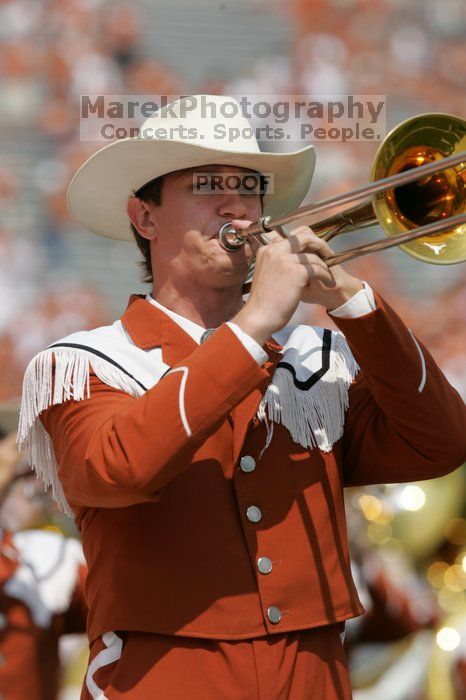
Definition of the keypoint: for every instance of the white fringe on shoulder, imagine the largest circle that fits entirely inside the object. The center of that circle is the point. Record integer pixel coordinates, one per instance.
(44, 387)
(314, 418)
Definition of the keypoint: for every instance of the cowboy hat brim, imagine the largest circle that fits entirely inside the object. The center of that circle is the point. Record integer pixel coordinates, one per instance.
(99, 191)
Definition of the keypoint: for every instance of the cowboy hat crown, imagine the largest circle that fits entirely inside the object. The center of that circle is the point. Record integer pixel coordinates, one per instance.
(191, 132)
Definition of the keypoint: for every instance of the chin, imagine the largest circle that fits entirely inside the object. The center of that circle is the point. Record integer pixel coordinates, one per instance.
(216, 264)
(223, 274)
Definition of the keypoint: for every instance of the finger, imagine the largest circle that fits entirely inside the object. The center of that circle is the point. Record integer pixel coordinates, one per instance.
(303, 239)
(254, 244)
(317, 245)
(274, 236)
(319, 273)
(240, 224)
(309, 260)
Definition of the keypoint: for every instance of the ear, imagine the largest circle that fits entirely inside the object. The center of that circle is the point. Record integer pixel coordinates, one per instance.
(140, 216)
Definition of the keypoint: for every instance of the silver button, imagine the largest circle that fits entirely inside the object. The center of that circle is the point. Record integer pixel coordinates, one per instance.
(274, 614)
(264, 564)
(247, 463)
(3, 621)
(254, 514)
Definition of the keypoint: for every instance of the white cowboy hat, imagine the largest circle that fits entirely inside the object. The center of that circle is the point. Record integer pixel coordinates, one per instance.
(99, 191)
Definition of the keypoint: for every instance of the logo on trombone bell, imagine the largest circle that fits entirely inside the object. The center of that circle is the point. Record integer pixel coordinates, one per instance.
(248, 183)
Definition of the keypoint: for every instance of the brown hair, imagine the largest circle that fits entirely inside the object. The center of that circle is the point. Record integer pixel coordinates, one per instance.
(151, 193)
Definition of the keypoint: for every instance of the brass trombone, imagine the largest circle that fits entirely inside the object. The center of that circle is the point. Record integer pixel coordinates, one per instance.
(417, 194)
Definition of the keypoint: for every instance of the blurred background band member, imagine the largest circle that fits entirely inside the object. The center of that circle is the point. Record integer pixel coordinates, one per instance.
(206, 470)
(42, 575)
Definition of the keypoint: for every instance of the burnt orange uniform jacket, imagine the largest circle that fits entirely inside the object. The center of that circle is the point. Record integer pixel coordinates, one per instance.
(165, 515)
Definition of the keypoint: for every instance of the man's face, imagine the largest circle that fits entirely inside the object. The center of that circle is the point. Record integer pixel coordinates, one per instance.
(187, 223)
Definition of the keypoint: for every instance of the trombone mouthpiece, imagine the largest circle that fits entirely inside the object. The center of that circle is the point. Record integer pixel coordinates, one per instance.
(230, 239)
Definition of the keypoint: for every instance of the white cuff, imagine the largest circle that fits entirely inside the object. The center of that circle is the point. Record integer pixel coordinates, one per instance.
(255, 350)
(360, 304)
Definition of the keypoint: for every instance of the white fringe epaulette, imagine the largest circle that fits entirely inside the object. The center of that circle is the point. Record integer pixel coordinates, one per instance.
(313, 416)
(44, 386)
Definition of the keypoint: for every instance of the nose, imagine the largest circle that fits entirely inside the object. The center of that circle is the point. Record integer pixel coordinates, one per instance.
(232, 205)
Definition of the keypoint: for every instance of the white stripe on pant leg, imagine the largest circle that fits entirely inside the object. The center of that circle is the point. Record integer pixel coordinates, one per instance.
(104, 658)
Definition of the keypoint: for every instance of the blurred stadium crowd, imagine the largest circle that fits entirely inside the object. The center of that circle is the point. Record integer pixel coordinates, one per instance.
(55, 279)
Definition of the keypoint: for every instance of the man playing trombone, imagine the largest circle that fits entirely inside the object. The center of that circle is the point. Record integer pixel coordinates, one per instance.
(202, 443)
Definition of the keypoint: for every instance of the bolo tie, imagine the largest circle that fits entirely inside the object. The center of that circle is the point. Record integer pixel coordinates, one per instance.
(208, 332)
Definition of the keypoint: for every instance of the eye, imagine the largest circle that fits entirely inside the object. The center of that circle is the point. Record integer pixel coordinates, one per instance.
(248, 191)
(202, 184)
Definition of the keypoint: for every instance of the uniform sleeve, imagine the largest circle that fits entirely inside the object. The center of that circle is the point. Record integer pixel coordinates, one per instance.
(405, 422)
(115, 450)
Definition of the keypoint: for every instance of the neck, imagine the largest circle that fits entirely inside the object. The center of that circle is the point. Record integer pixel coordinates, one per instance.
(206, 307)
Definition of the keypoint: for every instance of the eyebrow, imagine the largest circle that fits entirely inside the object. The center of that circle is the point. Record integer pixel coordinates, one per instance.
(211, 168)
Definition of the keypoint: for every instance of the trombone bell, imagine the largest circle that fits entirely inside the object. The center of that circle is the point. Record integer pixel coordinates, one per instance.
(417, 141)
(423, 212)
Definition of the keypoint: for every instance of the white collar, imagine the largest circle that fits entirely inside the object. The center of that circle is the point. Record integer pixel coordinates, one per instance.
(191, 328)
